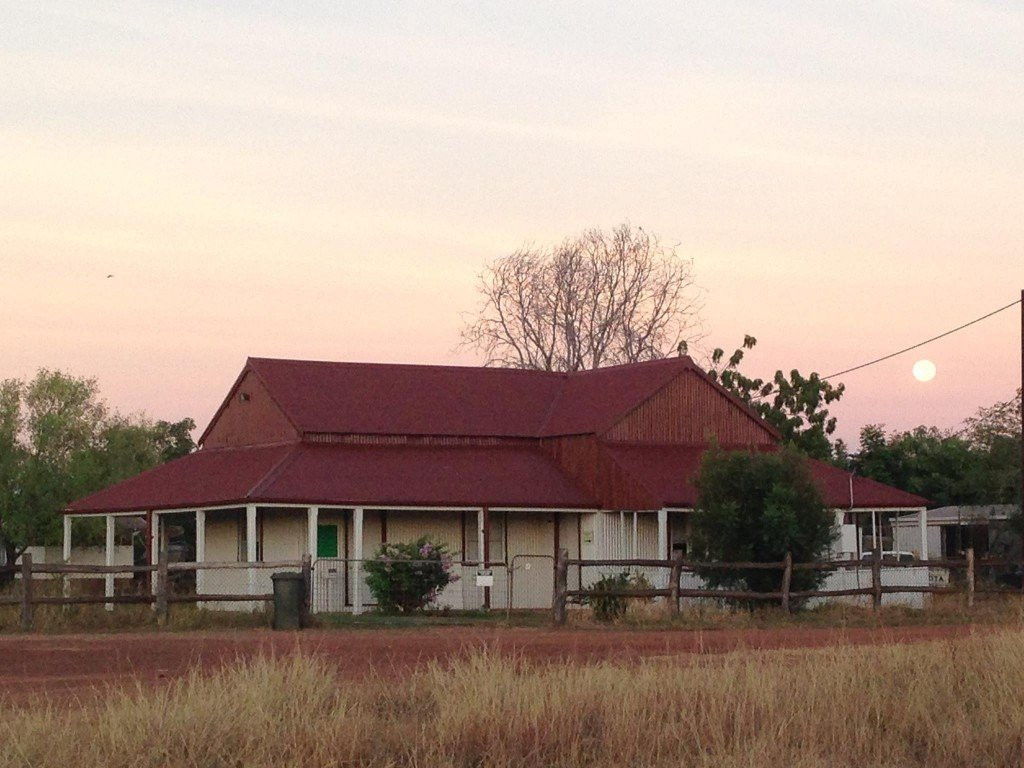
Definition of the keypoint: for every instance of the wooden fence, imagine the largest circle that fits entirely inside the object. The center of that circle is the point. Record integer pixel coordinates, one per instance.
(785, 596)
(158, 593)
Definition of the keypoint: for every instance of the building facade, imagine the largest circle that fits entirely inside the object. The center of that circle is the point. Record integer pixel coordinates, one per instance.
(504, 466)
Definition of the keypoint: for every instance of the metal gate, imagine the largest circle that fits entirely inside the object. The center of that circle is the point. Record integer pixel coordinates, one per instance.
(330, 585)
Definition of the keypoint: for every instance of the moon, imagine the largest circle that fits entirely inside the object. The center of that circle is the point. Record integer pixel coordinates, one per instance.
(924, 370)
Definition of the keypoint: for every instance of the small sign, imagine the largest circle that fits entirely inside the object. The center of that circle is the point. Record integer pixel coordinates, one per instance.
(484, 579)
(588, 537)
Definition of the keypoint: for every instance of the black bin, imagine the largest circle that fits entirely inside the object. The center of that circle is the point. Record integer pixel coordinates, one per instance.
(289, 594)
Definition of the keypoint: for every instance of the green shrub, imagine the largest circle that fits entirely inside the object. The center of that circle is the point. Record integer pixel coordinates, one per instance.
(408, 577)
(756, 507)
(611, 607)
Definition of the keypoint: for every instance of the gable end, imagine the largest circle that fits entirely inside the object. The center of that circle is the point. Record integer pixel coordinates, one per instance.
(690, 409)
(249, 416)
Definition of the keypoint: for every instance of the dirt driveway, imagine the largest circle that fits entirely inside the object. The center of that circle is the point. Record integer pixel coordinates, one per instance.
(68, 665)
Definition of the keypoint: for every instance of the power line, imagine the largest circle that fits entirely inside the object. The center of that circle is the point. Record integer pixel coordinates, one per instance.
(926, 341)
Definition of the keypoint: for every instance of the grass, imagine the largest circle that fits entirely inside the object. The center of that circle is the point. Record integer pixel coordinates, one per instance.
(1005, 610)
(95, 618)
(939, 704)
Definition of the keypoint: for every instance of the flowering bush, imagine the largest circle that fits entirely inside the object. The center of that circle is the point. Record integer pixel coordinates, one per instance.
(408, 577)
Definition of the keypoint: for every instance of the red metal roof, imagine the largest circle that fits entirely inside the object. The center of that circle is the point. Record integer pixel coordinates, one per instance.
(389, 399)
(411, 475)
(667, 471)
(593, 401)
(446, 401)
(346, 475)
(204, 478)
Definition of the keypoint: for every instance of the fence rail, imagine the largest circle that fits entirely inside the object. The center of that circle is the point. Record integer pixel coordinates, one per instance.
(158, 592)
(677, 565)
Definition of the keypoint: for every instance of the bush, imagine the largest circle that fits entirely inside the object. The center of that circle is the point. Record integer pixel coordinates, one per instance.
(755, 507)
(611, 607)
(408, 577)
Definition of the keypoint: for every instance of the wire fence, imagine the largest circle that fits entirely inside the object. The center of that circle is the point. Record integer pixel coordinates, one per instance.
(524, 582)
(860, 580)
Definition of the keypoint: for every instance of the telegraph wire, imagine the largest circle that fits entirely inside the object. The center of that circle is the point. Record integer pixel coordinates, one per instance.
(760, 396)
(922, 343)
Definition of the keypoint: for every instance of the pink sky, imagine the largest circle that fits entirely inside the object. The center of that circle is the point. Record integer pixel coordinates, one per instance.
(327, 183)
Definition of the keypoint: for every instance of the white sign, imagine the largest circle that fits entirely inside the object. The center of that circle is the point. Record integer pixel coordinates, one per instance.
(484, 579)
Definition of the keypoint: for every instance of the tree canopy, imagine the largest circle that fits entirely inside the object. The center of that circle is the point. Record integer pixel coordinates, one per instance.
(796, 405)
(596, 299)
(59, 441)
(977, 464)
(756, 507)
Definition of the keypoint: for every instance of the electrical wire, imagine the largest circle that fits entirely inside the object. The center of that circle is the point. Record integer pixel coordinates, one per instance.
(922, 343)
(906, 349)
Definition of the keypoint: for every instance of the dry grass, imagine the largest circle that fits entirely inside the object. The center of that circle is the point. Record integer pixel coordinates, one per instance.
(95, 618)
(1002, 610)
(939, 704)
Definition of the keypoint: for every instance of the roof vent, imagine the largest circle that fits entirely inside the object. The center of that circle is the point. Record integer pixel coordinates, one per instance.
(244, 397)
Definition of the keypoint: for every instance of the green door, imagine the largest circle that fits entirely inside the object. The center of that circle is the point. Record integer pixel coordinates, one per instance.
(327, 541)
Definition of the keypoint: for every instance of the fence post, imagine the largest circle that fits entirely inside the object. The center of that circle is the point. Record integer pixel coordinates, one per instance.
(161, 585)
(970, 577)
(787, 579)
(876, 577)
(673, 583)
(307, 595)
(561, 586)
(26, 592)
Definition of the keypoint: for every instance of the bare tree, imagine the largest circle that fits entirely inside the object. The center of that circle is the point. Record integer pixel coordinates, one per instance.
(597, 299)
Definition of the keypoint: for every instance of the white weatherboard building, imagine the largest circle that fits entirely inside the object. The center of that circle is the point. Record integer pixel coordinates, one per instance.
(504, 466)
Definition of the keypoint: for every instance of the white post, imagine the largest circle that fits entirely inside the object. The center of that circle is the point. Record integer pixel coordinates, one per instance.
(200, 551)
(154, 550)
(481, 539)
(312, 520)
(636, 542)
(874, 529)
(250, 544)
(663, 546)
(357, 555)
(108, 560)
(67, 539)
(66, 585)
(663, 534)
(622, 534)
(922, 524)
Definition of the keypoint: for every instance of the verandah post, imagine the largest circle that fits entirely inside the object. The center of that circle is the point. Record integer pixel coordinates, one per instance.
(161, 584)
(787, 580)
(673, 581)
(876, 576)
(970, 577)
(26, 592)
(561, 586)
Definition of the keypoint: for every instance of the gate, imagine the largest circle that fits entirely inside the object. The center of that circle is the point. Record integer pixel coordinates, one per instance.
(330, 585)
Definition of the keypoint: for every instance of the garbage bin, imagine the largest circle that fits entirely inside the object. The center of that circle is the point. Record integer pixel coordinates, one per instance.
(289, 595)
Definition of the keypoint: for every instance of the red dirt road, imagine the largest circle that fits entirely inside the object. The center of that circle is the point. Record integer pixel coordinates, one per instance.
(69, 665)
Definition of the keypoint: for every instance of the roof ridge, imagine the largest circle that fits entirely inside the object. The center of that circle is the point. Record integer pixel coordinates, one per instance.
(421, 366)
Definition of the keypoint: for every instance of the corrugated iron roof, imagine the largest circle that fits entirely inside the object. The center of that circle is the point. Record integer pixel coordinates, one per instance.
(346, 475)
(210, 477)
(395, 399)
(668, 472)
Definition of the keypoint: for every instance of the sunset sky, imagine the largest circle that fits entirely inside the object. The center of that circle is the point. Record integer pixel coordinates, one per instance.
(326, 180)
